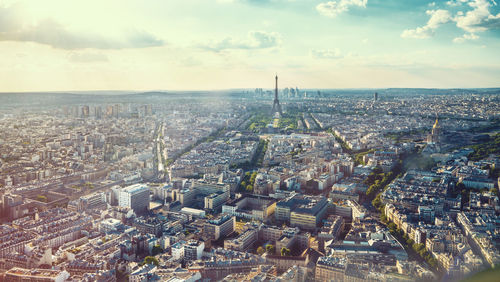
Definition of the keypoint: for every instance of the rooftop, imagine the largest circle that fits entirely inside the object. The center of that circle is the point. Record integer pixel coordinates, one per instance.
(33, 272)
(135, 188)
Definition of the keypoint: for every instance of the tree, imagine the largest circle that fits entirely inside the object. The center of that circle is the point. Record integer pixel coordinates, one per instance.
(383, 217)
(41, 198)
(433, 262)
(156, 250)
(377, 203)
(399, 232)
(260, 251)
(285, 252)
(249, 188)
(422, 253)
(151, 260)
(254, 174)
(419, 248)
(460, 186)
(372, 190)
(270, 249)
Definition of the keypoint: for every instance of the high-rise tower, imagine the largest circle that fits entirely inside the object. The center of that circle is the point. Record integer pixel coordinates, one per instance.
(276, 104)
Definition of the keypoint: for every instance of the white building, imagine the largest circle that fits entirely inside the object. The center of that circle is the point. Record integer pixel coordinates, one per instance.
(193, 249)
(109, 225)
(193, 212)
(142, 273)
(178, 250)
(135, 197)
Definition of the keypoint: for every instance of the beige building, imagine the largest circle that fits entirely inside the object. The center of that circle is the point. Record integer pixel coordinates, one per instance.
(244, 241)
(40, 275)
(330, 269)
(219, 227)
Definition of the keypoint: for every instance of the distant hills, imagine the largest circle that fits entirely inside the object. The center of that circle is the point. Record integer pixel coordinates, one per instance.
(27, 99)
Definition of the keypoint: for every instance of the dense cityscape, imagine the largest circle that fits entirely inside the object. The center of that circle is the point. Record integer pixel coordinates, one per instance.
(277, 184)
(249, 140)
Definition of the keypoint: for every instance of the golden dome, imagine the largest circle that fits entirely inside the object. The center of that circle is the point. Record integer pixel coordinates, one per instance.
(436, 124)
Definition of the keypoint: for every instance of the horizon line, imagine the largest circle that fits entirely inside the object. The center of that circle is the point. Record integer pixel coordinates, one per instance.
(233, 89)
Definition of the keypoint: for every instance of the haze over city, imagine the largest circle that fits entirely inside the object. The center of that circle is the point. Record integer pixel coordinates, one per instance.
(59, 45)
(249, 140)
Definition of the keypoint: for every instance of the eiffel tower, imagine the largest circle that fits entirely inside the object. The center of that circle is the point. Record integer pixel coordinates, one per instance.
(276, 104)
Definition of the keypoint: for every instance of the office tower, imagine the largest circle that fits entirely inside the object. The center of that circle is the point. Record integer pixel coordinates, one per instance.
(85, 111)
(135, 197)
(109, 111)
(98, 112)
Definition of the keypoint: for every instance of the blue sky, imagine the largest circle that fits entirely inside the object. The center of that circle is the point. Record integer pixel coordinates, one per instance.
(220, 44)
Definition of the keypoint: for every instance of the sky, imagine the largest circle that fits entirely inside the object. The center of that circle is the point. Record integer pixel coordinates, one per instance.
(61, 45)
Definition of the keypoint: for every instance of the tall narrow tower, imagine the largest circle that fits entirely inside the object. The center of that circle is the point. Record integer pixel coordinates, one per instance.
(276, 104)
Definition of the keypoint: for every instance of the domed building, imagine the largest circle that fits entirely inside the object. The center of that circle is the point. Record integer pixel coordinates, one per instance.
(433, 140)
(434, 136)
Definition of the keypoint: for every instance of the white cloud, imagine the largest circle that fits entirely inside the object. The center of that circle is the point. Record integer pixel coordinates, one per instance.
(437, 18)
(465, 37)
(326, 53)
(418, 33)
(455, 3)
(478, 19)
(254, 40)
(13, 27)
(334, 8)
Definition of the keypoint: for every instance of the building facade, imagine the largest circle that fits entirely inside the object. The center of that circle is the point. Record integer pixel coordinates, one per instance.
(135, 197)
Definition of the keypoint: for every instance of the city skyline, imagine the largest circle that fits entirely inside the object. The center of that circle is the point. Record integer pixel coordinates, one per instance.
(208, 45)
(249, 140)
